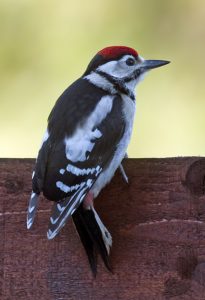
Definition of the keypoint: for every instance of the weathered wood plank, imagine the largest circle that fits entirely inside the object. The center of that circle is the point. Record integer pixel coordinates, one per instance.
(158, 229)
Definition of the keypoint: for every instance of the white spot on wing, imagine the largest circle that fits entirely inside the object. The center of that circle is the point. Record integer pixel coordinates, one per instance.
(66, 189)
(80, 172)
(98, 170)
(74, 170)
(63, 187)
(89, 182)
(62, 171)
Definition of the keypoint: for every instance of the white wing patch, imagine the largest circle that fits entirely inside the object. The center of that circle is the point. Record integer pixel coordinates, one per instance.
(83, 139)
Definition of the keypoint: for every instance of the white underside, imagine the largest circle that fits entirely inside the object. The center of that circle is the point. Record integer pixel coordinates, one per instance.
(106, 176)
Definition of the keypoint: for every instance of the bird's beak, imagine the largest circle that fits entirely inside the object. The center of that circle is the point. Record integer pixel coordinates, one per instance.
(152, 64)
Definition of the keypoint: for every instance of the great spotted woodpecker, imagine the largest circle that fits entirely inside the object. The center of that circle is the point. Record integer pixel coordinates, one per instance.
(88, 133)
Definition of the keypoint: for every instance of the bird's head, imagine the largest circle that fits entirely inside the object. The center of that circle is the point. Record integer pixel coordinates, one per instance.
(123, 63)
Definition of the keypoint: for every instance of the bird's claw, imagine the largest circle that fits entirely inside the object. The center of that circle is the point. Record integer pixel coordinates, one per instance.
(124, 175)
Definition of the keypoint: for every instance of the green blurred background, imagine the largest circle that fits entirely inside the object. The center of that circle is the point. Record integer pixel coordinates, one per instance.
(45, 45)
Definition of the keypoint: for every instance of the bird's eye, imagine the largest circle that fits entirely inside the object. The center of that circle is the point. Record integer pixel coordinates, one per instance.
(130, 61)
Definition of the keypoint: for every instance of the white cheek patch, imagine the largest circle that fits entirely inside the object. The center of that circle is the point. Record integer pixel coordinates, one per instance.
(118, 68)
(82, 142)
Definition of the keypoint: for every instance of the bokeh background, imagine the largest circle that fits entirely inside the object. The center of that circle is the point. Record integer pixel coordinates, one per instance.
(46, 44)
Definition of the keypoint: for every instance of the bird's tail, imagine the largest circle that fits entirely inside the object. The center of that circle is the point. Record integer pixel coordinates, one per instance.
(94, 236)
(32, 207)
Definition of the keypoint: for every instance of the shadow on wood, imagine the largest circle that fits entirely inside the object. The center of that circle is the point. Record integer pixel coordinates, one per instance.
(158, 229)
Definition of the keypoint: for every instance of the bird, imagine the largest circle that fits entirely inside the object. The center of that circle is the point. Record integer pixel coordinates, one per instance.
(88, 132)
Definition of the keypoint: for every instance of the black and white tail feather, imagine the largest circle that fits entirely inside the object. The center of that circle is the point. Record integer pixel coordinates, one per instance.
(32, 208)
(94, 236)
(63, 210)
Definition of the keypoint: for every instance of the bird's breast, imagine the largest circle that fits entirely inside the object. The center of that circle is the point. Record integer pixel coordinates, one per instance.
(128, 112)
(129, 108)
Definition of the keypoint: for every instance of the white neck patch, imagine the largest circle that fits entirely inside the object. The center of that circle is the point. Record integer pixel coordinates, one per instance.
(101, 82)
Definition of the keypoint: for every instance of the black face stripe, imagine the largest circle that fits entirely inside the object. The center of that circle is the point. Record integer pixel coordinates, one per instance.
(119, 84)
(134, 76)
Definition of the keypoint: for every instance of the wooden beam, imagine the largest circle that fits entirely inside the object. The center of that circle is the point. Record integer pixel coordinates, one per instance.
(158, 228)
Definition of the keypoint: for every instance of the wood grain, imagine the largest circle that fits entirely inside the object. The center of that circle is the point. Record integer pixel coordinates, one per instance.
(158, 228)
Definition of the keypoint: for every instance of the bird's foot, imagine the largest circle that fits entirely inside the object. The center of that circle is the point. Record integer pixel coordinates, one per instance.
(124, 175)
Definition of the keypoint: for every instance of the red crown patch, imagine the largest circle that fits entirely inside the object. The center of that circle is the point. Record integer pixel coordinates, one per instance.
(117, 51)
